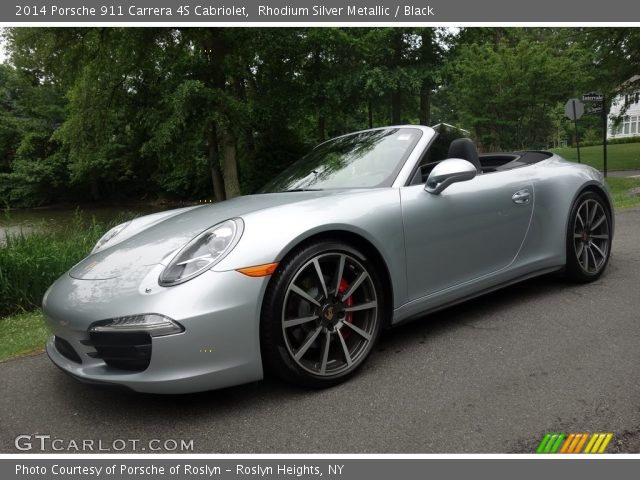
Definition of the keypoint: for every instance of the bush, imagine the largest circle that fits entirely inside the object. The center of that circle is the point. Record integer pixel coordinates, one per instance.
(31, 262)
(611, 141)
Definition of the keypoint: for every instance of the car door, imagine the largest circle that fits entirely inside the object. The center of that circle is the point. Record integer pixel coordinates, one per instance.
(470, 230)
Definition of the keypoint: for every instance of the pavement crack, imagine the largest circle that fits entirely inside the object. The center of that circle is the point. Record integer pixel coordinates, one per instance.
(476, 327)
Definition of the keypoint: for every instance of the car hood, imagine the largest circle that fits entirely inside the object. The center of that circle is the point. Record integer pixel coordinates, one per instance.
(154, 239)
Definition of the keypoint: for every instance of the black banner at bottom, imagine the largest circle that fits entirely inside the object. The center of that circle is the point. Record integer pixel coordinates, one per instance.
(313, 468)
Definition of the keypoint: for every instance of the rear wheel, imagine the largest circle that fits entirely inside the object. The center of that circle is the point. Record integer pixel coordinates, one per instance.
(322, 314)
(588, 238)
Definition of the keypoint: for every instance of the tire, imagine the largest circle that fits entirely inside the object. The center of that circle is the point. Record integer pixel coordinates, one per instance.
(588, 238)
(318, 333)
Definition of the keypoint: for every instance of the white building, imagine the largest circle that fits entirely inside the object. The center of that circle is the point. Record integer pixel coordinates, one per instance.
(630, 124)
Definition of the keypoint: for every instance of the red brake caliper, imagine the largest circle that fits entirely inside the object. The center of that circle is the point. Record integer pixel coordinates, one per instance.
(344, 286)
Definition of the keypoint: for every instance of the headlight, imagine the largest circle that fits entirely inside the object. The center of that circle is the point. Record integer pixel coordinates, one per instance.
(151, 323)
(203, 252)
(107, 237)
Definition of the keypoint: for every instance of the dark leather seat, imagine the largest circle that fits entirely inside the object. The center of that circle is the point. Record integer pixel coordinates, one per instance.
(465, 149)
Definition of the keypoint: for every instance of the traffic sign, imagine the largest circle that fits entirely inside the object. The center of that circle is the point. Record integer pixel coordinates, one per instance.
(597, 108)
(592, 97)
(574, 109)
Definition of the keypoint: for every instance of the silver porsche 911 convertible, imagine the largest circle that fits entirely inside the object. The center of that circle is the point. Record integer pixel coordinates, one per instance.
(368, 230)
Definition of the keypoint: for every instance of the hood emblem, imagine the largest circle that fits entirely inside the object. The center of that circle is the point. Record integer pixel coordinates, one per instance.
(90, 266)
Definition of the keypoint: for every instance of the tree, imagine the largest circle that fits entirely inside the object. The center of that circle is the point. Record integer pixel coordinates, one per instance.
(615, 56)
(32, 165)
(505, 89)
(187, 113)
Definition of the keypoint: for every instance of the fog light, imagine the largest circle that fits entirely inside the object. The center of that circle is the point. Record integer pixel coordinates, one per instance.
(151, 323)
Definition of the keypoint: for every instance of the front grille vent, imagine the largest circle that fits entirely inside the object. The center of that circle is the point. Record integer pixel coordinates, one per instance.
(66, 350)
(123, 350)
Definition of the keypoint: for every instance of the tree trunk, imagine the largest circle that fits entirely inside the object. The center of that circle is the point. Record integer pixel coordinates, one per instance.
(227, 185)
(213, 51)
(95, 188)
(397, 43)
(246, 134)
(425, 103)
(322, 122)
(231, 182)
(214, 164)
(396, 101)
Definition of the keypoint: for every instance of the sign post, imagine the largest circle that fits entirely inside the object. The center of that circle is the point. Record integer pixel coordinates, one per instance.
(599, 106)
(574, 109)
(604, 135)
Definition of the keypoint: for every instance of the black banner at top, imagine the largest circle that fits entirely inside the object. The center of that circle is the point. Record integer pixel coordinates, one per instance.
(296, 11)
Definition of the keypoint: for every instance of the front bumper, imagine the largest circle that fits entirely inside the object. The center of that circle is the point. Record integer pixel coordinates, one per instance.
(220, 312)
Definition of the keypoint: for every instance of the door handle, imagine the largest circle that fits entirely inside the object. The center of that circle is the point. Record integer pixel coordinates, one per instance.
(521, 197)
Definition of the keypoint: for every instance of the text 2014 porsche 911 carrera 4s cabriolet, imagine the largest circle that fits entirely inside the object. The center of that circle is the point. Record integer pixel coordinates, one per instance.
(367, 230)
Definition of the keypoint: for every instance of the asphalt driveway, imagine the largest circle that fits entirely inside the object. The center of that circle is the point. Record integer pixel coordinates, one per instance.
(491, 375)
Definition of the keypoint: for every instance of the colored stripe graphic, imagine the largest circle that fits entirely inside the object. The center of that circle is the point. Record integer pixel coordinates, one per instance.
(567, 442)
(605, 442)
(559, 440)
(596, 446)
(543, 443)
(581, 442)
(594, 437)
(552, 440)
(574, 442)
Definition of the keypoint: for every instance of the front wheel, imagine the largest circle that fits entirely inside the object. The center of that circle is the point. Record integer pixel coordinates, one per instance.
(588, 238)
(322, 314)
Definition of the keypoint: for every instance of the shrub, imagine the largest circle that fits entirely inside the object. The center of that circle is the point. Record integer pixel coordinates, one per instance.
(30, 262)
(612, 141)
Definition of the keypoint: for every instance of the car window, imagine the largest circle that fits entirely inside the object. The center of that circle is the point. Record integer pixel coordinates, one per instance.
(436, 152)
(366, 159)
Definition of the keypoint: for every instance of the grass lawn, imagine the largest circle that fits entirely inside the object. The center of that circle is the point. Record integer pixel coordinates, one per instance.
(620, 188)
(26, 332)
(623, 156)
(21, 334)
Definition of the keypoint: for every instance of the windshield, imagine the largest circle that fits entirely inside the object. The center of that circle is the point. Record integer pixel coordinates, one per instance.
(361, 160)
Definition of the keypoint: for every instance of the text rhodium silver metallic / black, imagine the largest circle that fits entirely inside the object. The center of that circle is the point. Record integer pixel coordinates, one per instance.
(323, 11)
(368, 230)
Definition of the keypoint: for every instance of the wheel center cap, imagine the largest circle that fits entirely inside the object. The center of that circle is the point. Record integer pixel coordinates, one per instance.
(330, 314)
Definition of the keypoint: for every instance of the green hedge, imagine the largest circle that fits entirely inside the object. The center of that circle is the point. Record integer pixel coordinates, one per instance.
(612, 141)
(30, 262)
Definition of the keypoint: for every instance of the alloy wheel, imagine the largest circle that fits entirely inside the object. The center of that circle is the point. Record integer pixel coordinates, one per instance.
(591, 236)
(330, 314)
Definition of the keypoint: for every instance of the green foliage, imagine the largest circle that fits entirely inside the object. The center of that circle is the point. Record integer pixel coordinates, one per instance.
(614, 59)
(169, 111)
(187, 113)
(505, 90)
(32, 164)
(30, 262)
(612, 141)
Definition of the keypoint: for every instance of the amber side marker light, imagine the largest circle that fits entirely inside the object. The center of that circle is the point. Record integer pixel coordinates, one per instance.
(259, 270)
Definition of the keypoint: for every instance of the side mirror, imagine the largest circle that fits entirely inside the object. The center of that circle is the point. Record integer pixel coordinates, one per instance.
(449, 171)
